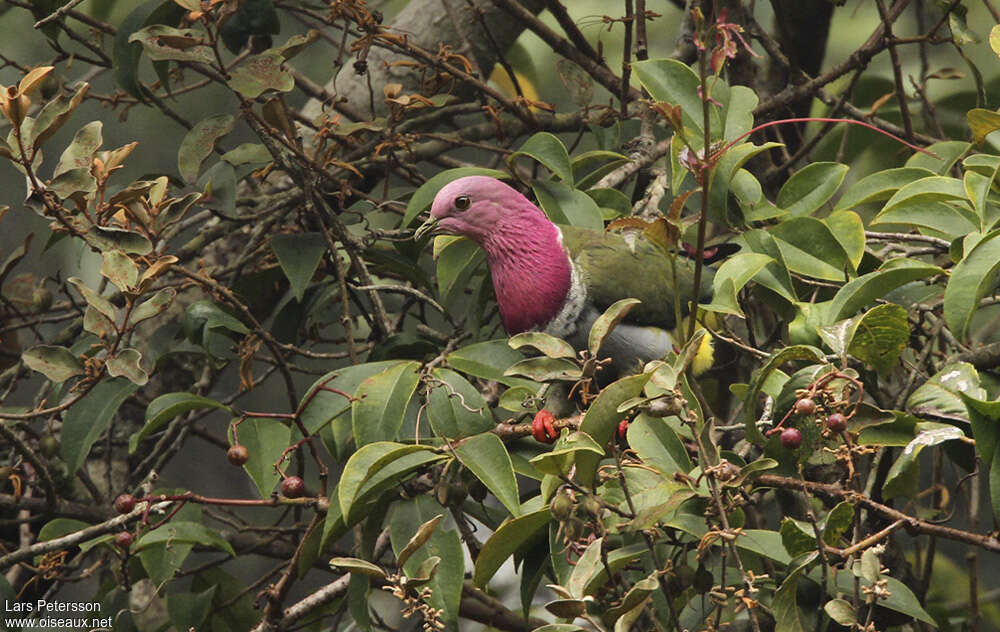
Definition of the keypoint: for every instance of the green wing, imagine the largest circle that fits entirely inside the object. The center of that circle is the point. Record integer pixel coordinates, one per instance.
(613, 269)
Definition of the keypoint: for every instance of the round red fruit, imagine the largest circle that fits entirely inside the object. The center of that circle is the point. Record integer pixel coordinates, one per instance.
(238, 455)
(622, 429)
(805, 406)
(293, 487)
(836, 422)
(791, 438)
(124, 540)
(125, 503)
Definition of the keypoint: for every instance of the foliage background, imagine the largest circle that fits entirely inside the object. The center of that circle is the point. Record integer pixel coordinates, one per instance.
(200, 466)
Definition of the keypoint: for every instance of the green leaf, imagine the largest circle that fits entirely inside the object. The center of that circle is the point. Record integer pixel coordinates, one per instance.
(658, 446)
(725, 174)
(457, 261)
(601, 421)
(165, 408)
(94, 299)
(867, 288)
(513, 535)
(880, 185)
(446, 583)
(54, 115)
(950, 219)
(354, 565)
(607, 322)
(109, 238)
(185, 532)
(590, 166)
(797, 537)
(926, 190)
(939, 396)
(549, 151)
(984, 418)
(734, 273)
(162, 559)
(199, 143)
(947, 154)
(838, 522)
(54, 362)
(80, 153)
(325, 406)
(377, 413)
(903, 471)
(89, 418)
(188, 610)
(261, 73)
(365, 467)
(841, 611)
(901, 598)
(849, 229)
(809, 247)
(455, 408)
(486, 457)
(166, 43)
(880, 336)
(489, 360)
(119, 268)
(787, 616)
(970, 281)
(126, 363)
(418, 539)
(153, 306)
(673, 82)
(299, 255)
(565, 205)
(545, 343)
(265, 439)
(424, 194)
(559, 460)
(545, 369)
(811, 187)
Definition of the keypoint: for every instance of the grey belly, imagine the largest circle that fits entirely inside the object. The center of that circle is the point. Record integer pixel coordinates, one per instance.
(628, 346)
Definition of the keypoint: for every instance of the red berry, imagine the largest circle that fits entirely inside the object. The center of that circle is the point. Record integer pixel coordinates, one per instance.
(805, 406)
(124, 539)
(622, 429)
(836, 422)
(293, 487)
(125, 503)
(238, 455)
(791, 438)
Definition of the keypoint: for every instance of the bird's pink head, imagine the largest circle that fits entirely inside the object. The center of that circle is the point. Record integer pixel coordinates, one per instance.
(530, 268)
(478, 207)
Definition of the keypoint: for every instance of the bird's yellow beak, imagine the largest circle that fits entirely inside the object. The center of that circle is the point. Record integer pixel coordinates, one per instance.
(427, 228)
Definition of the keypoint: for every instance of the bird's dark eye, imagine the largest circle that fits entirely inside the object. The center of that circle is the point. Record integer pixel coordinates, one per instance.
(463, 202)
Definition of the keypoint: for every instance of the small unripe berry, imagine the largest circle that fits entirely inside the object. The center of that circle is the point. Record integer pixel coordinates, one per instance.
(561, 506)
(124, 540)
(238, 455)
(836, 422)
(293, 487)
(664, 407)
(592, 506)
(49, 446)
(791, 438)
(805, 406)
(125, 503)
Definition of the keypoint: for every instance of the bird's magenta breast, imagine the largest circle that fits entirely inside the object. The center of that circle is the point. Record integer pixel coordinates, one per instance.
(531, 278)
